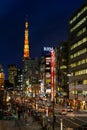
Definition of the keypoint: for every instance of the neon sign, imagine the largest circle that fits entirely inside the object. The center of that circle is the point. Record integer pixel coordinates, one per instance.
(49, 49)
(52, 73)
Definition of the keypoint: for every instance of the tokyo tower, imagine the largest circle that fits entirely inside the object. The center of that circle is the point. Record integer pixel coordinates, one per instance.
(26, 54)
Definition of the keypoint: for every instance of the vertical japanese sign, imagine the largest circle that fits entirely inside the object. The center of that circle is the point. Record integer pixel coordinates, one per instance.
(52, 73)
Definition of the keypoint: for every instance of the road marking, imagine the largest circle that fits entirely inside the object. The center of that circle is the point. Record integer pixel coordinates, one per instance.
(60, 122)
(72, 122)
(81, 120)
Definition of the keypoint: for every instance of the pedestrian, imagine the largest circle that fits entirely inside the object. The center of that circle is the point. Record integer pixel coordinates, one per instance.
(54, 118)
(48, 127)
(19, 114)
(25, 117)
(44, 123)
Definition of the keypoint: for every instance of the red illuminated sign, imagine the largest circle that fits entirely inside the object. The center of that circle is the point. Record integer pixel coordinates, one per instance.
(52, 73)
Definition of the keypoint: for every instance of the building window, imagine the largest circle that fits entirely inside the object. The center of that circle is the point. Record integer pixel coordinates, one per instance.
(78, 14)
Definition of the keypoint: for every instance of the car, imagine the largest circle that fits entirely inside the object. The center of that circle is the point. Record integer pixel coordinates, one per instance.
(69, 109)
(63, 112)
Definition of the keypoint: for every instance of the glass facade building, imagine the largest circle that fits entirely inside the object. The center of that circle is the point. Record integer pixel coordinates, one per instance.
(78, 54)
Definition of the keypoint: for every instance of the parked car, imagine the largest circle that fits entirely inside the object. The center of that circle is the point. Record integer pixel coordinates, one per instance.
(63, 112)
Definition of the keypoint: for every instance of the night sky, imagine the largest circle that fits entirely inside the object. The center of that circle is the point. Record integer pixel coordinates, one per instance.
(48, 25)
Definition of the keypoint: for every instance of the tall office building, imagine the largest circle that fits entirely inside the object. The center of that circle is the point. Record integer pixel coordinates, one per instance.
(78, 54)
(19, 80)
(12, 73)
(47, 74)
(62, 69)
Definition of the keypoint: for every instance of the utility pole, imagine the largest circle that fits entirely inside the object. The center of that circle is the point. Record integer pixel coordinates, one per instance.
(53, 116)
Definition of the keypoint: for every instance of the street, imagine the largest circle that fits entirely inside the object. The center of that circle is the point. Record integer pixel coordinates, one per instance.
(72, 120)
(68, 121)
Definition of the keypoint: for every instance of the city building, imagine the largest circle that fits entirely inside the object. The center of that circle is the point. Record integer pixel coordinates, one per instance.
(2, 78)
(78, 55)
(46, 74)
(62, 86)
(12, 73)
(19, 80)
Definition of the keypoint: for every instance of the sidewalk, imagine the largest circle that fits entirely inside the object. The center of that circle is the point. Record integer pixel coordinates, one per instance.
(30, 124)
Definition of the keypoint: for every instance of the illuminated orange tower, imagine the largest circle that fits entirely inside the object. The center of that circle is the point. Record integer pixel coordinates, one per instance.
(26, 42)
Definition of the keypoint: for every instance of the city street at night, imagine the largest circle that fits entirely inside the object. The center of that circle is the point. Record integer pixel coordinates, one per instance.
(43, 65)
(72, 121)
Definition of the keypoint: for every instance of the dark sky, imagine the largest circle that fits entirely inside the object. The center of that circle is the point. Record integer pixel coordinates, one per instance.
(48, 24)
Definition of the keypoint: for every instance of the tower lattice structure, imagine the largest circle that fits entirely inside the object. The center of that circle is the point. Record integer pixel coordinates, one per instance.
(26, 54)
